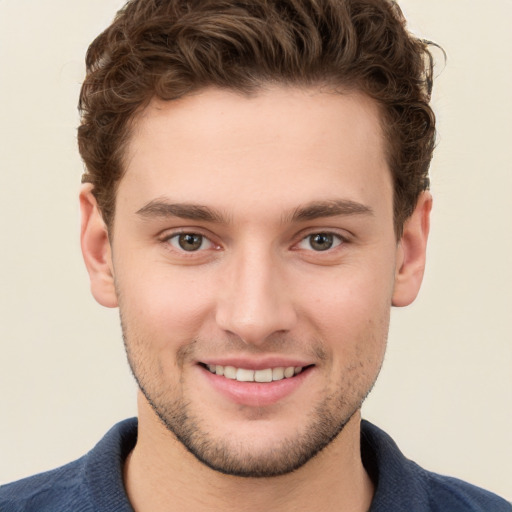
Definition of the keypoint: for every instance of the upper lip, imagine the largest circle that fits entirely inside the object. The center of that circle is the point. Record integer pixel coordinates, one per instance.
(257, 364)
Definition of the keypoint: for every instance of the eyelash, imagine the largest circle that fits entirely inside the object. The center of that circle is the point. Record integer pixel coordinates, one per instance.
(335, 238)
(176, 237)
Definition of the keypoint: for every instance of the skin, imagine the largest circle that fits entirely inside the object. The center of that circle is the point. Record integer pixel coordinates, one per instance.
(257, 178)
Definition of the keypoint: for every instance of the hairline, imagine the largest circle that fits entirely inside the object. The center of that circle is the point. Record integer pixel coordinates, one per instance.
(327, 85)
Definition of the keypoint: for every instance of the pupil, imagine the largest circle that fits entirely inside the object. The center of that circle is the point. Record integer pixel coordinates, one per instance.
(190, 242)
(321, 242)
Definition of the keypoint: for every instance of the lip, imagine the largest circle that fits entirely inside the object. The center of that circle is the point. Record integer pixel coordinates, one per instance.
(259, 364)
(255, 394)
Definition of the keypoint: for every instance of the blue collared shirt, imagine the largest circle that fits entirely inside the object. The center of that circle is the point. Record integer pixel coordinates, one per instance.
(94, 483)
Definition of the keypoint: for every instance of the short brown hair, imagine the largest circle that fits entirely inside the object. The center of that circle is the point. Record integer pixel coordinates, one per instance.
(169, 48)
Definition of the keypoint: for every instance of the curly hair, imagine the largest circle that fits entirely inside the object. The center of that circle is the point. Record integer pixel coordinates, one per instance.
(167, 49)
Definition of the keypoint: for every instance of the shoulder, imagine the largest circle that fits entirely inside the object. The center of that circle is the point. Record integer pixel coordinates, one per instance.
(446, 493)
(402, 485)
(57, 490)
(90, 484)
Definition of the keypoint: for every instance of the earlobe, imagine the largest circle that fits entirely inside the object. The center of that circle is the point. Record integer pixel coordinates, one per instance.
(96, 249)
(412, 253)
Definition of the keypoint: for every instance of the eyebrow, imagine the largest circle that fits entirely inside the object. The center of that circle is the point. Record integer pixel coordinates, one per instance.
(310, 211)
(162, 208)
(329, 208)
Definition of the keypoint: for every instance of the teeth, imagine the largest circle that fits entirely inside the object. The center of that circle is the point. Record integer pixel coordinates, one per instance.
(289, 372)
(263, 375)
(278, 373)
(229, 372)
(244, 375)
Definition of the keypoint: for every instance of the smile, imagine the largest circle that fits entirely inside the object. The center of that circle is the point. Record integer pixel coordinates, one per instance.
(245, 375)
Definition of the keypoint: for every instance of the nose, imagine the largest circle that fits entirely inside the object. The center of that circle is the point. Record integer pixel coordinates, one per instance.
(255, 302)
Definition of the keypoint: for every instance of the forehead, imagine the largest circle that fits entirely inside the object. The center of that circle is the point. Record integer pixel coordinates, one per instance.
(278, 147)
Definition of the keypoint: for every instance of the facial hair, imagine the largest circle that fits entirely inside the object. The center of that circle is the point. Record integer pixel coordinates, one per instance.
(236, 457)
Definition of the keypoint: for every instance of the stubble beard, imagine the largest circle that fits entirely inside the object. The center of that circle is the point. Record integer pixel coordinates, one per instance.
(235, 458)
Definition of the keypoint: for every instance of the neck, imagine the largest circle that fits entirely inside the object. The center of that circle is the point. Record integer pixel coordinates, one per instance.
(161, 475)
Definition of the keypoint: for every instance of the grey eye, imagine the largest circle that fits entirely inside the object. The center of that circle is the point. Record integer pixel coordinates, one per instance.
(320, 242)
(189, 242)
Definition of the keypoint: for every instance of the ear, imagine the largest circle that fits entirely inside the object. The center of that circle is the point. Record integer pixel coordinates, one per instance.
(411, 253)
(96, 249)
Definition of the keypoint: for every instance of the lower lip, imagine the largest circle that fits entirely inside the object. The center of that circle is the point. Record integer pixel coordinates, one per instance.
(256, 394)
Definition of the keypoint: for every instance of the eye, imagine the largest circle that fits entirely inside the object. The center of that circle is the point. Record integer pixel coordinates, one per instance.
(320, 241)
(190, 242)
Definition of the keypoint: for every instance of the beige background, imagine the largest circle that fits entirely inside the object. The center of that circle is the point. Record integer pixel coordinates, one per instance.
(445, 393)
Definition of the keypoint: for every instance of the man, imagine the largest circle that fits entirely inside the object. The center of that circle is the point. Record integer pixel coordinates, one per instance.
(256, 199)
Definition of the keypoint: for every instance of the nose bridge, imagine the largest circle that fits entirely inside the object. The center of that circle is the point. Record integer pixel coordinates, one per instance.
(255, 303)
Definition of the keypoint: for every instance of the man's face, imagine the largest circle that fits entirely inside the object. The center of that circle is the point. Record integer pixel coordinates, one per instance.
(253, 239)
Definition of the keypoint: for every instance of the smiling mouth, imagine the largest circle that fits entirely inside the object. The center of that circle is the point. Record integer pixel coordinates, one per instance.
(265, 375)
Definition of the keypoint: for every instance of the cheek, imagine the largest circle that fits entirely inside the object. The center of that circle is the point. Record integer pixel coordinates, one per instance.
(352, 298)
(354, 328)
(351, 314)
(164, 308)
